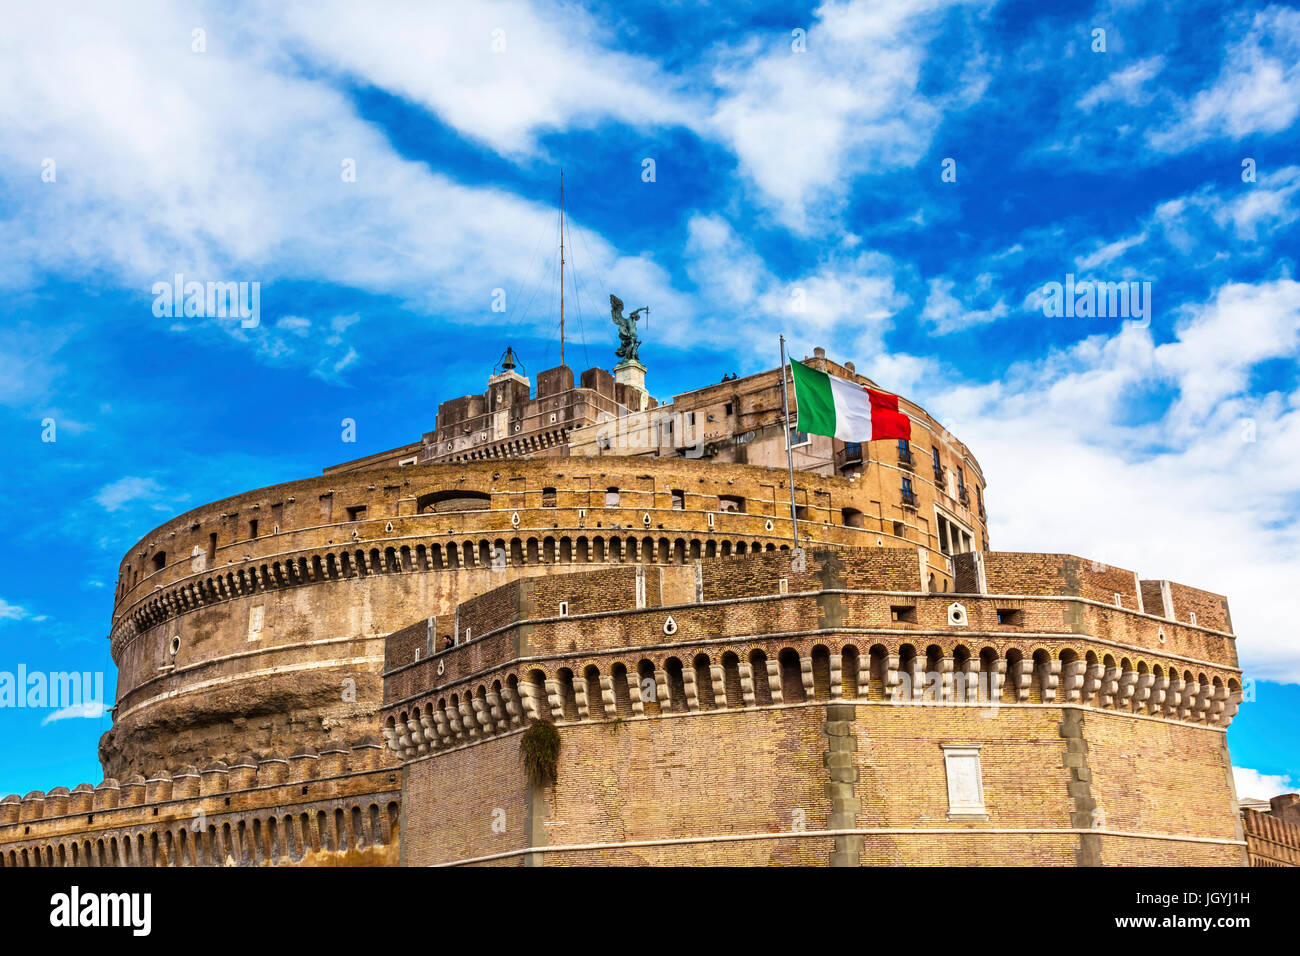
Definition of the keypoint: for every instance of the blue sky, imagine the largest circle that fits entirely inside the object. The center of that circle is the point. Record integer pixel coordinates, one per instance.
(798, 186)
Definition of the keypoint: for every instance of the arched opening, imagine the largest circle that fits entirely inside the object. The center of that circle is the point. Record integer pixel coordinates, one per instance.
(758, 668)
(645, 673)
(456, 499)
(933, 689)
(1010, 692)
(877, 667)
(791, 676)
(731, 680)
(568, 699)
(676, 685)
(622, 695)
(849, 671)
(704, 682)
(911, 679)
(821, 668)
(595, 699)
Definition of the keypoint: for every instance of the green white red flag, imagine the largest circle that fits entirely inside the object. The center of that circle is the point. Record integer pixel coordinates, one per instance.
(845, 410)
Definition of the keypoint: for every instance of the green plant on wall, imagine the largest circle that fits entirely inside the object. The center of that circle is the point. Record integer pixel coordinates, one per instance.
(540, 749)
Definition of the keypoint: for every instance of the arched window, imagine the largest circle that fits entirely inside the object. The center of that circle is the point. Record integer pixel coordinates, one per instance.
(456, 499)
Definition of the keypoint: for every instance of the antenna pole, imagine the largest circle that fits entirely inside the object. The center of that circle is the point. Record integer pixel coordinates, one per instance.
(789, 449)
(561, 265)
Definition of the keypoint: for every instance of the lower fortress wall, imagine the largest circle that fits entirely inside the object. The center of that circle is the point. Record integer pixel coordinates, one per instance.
(336, 808)
(762, 787)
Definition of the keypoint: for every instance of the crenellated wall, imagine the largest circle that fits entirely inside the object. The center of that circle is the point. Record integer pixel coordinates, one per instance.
(339, 806)
(707, 724)
(1271, 841)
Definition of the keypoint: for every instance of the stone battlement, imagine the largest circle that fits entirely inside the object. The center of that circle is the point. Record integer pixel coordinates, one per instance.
(321, 807)
(786, 708)
(1269, 840)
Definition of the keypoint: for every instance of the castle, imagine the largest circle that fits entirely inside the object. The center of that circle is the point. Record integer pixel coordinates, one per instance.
(344, 669)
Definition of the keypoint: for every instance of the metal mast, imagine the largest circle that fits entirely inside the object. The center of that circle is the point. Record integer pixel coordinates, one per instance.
(561, 266)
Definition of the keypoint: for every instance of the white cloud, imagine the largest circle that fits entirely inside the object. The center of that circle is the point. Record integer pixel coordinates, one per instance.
(1126, 85)
(804, 123)
(1108, 253)
(1184, 497)
(800, 123)
(1270, 203)
(498, 72)
(1219, 342)
(126, 490)
(12, 612)
(90, 709)
(226, 166)
(946, 313)
(1257, 89)
(1261, 786)
(853, 292)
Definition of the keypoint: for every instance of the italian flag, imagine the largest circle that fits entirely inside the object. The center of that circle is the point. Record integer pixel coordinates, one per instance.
(845, 410)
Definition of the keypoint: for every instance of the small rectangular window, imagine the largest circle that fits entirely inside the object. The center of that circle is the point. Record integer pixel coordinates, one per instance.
(326, 508)
(1012, 616)
(1119, 599)
(798, 438)
(611, 497)
(1193, 618)
(212, 548)
(357, 513)
(727, 408)
(900, 530)
(904, 613)
(548, 497)
(679, 500)
(252, 527)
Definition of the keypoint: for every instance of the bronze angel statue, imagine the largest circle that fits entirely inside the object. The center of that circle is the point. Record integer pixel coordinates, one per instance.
(627, 340)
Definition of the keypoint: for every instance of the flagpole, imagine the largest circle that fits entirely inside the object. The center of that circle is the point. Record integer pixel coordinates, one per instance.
(789, 449)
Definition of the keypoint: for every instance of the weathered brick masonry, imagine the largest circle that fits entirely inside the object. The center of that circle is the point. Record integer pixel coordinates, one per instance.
(886, 689)
(781, 715)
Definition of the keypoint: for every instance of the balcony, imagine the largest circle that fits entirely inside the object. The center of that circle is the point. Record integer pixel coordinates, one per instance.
(850, 455)
(963, 496)
(905, 459)
(909, 498)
